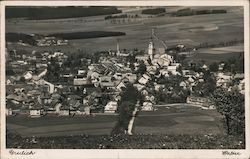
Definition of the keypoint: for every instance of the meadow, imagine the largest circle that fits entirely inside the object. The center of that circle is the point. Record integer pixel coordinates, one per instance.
(188, 30)
(175, 120)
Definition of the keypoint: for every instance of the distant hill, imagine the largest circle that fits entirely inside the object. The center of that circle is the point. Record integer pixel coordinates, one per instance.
(40, 13)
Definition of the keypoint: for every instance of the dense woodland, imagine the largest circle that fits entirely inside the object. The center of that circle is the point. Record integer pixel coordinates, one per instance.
(40, 13)
(154, 11)
(87, 35)
(189, 12)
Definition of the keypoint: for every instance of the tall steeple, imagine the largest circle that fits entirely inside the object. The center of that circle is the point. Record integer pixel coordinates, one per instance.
(151, 46)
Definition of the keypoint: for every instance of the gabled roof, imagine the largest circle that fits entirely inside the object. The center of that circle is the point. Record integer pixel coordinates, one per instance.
(37, 105)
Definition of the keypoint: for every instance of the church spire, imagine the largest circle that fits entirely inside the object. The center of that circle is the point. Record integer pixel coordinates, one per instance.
(118, 48)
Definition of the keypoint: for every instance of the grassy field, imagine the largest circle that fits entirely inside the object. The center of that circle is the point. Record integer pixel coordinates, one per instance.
(190, 30)
(54, 126)
(186, 120)
(175, 120)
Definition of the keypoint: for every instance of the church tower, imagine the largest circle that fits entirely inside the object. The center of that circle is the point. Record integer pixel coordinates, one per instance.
(151, 47)
(118, 49)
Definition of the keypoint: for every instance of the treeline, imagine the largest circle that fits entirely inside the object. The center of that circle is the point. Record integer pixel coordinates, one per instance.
(220, 44)
(121, 16)
(116, 16)
(40, 13)
(154, 11)
(189, 12)
(20, 37)
(87, 35)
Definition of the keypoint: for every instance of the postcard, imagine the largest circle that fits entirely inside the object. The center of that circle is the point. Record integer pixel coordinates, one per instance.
(125, 79)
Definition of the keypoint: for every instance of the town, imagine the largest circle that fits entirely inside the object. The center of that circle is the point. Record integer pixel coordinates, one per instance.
(39, 84)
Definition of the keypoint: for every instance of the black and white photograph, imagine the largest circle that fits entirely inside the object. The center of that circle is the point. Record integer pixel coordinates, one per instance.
(121, 76)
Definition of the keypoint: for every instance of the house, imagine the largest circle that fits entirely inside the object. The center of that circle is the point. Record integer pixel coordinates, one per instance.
(36, 110)
(131, 77)
(223, 80)
(80, 81)
(120, 85)
(57, 107)
(158, 86)
(17, 98)
(87, 110)
(164, 72)
(74, 104)
(28, 75)
(200, 101)
(118, 75)
(144, 79)
(150, 98)
(205, 67)
(183, 84)
(45, 98)
(239, 76)
(107, 82)
(221, 66)
(241, 86)
(144, 91)
(111, 107)
(147, 106)
(8, 112)
(81, 72)
(151, 69)
(191, 79)
(173, 69)
(12, 108)
(138, 86)
(51, 87)
(141, 57)
(64, 111)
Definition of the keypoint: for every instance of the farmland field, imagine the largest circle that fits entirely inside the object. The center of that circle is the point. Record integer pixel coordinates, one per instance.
(188, 30)
(176, 120)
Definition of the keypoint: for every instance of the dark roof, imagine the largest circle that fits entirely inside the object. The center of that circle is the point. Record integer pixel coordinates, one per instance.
(12, 105)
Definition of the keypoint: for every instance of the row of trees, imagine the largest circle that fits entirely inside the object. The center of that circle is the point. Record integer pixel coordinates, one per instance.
(220, 44)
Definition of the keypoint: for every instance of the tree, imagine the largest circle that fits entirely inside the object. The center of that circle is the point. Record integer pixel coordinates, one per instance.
(231, 104)
(214, 67)
(126, 106)
(142, 68)
(207, 87)
(125, 114)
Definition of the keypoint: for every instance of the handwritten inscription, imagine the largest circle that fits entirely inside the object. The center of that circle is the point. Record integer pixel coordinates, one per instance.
(23, 152)
(230, 153)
